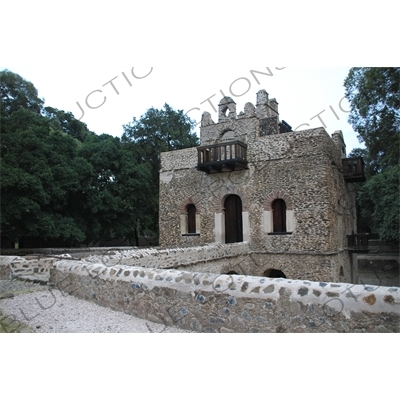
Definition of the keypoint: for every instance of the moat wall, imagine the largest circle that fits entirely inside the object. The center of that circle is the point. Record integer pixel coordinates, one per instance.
(190, 288)
(205, 302)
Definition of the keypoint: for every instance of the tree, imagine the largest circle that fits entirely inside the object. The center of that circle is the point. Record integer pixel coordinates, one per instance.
(113, 200)
(41, 171)
(61, 181)
(17, 93)
(38, 178)
(66, 122)
(155, 132)
(374, 96)
(379, 200)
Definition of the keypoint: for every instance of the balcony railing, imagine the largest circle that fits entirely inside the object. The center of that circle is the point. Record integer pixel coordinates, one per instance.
(353, 169)
(222, 157)
(358, 243)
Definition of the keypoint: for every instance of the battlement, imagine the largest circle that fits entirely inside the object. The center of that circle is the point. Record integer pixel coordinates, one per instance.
(262, 119)
(252, 124)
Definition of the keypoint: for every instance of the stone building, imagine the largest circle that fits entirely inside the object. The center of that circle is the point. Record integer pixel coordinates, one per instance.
(288, 195)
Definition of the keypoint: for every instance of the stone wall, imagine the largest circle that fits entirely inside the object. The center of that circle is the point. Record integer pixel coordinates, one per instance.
(5, 270)
(12, 266)
(172, 258)
(206, 302)
(211, 300)
(237, 258)
(240, 258)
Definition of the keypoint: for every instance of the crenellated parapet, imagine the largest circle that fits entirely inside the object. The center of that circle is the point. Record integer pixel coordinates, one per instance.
(262, 119)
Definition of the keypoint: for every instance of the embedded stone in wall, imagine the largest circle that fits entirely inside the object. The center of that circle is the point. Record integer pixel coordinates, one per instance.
(221, 303)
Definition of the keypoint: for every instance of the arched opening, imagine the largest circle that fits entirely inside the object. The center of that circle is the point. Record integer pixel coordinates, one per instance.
(231, 273)
(191, 211)
(233, 219)
(274, 273)
(279, 215)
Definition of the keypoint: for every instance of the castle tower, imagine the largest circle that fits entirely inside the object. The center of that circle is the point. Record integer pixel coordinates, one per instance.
(283, 193)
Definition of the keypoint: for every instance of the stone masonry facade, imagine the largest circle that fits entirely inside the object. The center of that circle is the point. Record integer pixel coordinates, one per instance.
(301, 169)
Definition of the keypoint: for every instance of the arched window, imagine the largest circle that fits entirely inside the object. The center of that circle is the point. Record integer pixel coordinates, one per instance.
(279, 215)
(191, 211)
(190, 219)
(274, 273)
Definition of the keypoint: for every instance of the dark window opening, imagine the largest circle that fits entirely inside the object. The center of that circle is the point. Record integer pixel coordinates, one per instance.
(231, 273)
(279, 212)
(191, 210)
(274, 273)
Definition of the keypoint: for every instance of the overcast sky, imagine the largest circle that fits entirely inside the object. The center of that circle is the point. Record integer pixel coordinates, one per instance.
(307, 97)
(71, 50)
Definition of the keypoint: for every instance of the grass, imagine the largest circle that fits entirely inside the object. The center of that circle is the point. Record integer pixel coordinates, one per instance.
(8, 324)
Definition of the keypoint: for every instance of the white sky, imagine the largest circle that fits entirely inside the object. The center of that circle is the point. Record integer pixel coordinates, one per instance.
(68, 50)
(302, 93)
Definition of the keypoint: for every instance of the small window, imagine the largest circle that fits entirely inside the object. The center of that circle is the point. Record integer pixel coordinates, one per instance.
(191, 210)
(279, 213)
(274, 273)
(190, 220)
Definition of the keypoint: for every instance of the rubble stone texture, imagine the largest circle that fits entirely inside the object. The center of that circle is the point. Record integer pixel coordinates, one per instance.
(303, 168)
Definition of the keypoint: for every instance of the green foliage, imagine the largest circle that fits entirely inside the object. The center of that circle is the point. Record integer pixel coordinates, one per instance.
(61, 181)
(114, 199)
(381, 194)
(66, 122)
(17, 93)
(37, 178)
(374, 95)
(155, 132)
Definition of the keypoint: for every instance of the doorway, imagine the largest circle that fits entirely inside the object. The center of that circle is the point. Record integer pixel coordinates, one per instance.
(233, 219)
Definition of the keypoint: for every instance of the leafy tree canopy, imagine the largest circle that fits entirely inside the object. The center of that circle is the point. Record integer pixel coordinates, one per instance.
(38, 177)
(17, 93)
(66, 122)
(155, 132)
(379, 200)
(61, 181)
(374, 95)
(114, 197)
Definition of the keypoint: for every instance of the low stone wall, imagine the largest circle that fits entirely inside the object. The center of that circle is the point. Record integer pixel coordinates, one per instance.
(7, 265)
(241, 258)
(206, 302)
(12, 266)
(237, 257)
(208, 257)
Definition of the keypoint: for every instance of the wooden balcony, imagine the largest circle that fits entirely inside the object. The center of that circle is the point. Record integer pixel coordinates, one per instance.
(358, 243)
(353, 169)
(222, 157)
